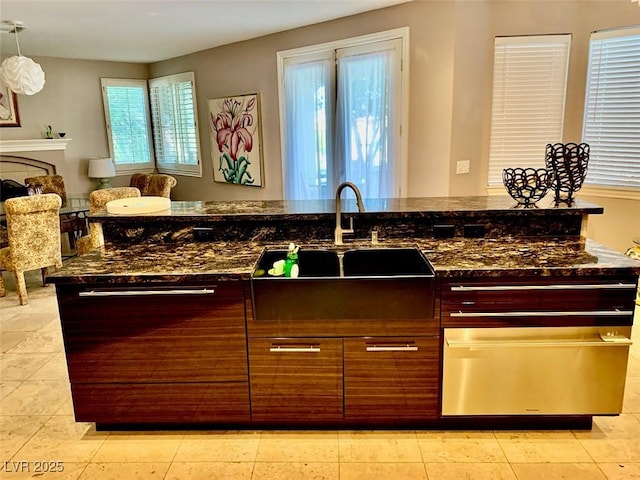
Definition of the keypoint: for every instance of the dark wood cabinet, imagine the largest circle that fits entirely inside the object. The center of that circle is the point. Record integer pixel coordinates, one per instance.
(296, 379)
(391, 378)
(158, 353)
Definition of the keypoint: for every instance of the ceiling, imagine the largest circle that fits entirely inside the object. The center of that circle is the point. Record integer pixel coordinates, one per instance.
(145, 31)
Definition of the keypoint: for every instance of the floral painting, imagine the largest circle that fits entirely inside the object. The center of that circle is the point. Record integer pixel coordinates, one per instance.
(236, 143)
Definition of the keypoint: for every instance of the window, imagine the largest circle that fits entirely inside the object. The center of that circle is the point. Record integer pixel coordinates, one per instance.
(175, 129)
(126, 108)
(167, 107)
(527, 111)
(341, 112)
(612, 109)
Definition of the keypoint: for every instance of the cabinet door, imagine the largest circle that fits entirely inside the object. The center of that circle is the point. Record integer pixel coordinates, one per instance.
(391, 378)
(154, 334)
(296, 379)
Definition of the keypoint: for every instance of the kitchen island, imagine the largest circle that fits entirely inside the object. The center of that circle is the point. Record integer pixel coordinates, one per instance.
(159, 326)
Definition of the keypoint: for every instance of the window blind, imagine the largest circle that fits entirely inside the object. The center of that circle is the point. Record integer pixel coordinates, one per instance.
(127, 121)
(527, 112)
(612, 108)
(175, 130)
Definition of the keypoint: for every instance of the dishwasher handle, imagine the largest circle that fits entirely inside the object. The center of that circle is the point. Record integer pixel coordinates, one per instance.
(604, 341)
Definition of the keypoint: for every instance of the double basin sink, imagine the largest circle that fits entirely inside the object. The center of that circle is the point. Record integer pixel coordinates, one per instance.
(363, 283)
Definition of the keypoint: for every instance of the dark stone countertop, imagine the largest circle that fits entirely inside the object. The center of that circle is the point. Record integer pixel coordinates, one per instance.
(246, 210)
(217, 261)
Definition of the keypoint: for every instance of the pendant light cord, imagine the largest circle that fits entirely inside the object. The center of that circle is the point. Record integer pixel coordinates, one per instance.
(15, 30)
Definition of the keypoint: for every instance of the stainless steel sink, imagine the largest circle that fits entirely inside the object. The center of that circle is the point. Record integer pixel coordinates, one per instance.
(376, 283)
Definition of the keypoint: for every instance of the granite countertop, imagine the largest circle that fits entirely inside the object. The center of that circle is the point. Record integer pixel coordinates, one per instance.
(216, 261)
(263, 210)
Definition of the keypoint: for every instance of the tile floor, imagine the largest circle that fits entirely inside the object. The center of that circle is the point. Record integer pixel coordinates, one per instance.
(37, 430)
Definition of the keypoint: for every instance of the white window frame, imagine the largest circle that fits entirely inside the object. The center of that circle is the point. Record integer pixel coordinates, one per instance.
(597, 106)
(508, 146)
(398, 33)
(128, 168)
(174, 166)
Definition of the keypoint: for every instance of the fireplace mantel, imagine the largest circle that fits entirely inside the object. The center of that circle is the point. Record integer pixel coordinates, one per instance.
(35, 145)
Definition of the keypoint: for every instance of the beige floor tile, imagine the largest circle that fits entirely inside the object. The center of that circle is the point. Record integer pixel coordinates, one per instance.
(534, 434)
(621, 471)
(64, 439)
(395, 471)
(455, 434)
(470, 471)
(45, 470)
(36, 397)
(557, 471)
(14, 366)
(15, 431)
(210, 471)
(42, 341)
(54, 369)
(8, 386)
(298, 446)
(218, 447)
(544, 450)
(27, 319)
(66, 409)
(296, 471)
(623, 426)
(383, 446)
(9, 340)
(122, 471)
(465, 450)
(632, 395)
(615, 450)
(139, 447)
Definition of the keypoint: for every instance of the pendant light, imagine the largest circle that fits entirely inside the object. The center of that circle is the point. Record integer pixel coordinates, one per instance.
(21, 74)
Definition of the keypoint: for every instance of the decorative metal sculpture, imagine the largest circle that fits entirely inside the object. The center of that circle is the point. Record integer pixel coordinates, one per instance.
(527, 185)
(568, 161)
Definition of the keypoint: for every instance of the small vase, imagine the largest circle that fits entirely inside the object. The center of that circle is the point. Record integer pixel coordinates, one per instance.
(568, 162)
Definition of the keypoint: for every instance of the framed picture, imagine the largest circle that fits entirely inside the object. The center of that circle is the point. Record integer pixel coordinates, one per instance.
(9, 116)
(236, 140)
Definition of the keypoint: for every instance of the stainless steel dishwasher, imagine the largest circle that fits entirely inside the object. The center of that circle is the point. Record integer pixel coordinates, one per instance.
(534, 370)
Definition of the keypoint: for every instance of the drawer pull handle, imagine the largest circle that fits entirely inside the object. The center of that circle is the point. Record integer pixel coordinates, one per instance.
(391, 348)
(133, 293)
(595, 286)
(599, 313)
(309, 349)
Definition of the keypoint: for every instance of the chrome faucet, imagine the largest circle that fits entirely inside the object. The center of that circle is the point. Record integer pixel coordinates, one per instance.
(339, 230)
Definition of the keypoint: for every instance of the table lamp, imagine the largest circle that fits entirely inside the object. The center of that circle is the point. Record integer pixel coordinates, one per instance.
(103, 169)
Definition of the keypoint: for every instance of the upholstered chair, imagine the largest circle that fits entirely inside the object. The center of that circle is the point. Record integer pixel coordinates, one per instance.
(55, 184)
(34, 238)
(153, 184)
(98, 200)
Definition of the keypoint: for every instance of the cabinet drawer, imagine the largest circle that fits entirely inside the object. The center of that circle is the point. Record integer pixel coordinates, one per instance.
(589, 301)
(161, 403)
(296, 379)
(391, 378)
(168, 337)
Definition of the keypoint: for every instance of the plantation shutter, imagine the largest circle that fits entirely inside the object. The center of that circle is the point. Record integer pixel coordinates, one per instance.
(175, 129)
(527, 112)
(612, 108)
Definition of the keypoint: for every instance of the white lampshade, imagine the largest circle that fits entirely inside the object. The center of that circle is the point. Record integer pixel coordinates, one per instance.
(22, 75)
(102, 168)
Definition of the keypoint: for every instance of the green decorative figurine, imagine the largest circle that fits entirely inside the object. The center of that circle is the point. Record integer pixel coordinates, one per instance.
(48, 133)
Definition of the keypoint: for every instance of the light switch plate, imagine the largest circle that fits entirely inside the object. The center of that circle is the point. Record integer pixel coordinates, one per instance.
(462, 166)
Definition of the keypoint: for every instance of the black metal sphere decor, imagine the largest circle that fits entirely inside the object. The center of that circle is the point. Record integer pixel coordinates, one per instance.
(569, 162)
(527, 185)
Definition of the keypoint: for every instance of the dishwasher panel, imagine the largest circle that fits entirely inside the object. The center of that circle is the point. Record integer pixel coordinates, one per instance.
(534, 371)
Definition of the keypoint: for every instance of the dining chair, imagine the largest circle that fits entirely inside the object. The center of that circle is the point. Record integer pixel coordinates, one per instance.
(71, 225)
(153, 184)
(34, 239)
(98, 200)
